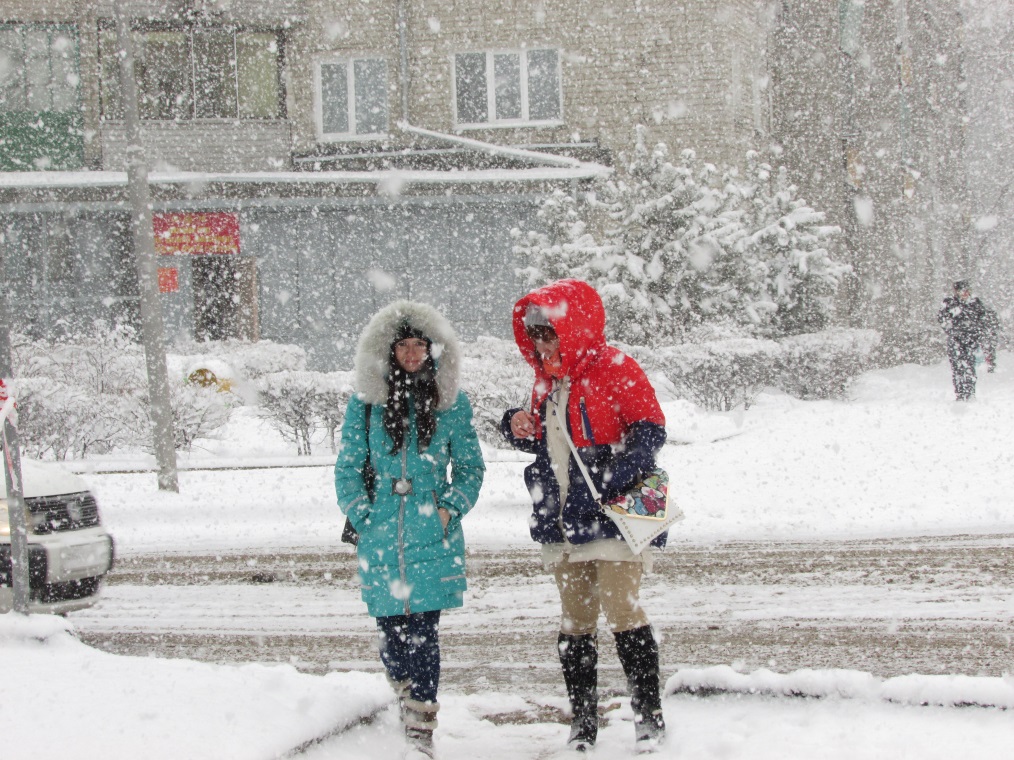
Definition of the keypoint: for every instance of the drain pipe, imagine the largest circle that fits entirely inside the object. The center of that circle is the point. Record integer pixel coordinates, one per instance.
(403, 64)
(544, 159)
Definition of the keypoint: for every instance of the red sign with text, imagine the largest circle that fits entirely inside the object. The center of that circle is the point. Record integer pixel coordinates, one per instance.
(196, 233)
(168, 280)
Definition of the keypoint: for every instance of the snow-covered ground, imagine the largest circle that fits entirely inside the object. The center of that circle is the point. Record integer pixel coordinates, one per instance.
(900, 458)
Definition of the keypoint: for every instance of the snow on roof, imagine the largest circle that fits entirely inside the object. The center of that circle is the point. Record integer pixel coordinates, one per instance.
(384, 178)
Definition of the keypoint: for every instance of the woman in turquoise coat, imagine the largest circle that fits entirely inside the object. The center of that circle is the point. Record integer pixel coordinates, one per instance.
(422, 445)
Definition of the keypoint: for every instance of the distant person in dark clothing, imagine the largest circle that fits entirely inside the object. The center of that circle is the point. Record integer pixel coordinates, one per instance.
(969, 325)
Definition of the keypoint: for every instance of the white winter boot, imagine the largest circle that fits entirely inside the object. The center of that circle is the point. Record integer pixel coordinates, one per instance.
(420, 721)
(401, 691)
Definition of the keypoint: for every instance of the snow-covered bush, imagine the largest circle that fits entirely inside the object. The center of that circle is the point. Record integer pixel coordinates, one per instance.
(496, 378)
(288, 401)
(912, 342)
(299, 403)
(197, 411)
(333, 394)
(78, 394)
(88, 394)
(720, 370)
(107, 361)
(718, 375)
(821, 365)
(59, 420)
(250, 360)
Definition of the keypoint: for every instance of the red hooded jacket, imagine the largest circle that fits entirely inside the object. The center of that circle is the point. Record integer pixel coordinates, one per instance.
(611, 402)
(609, 390)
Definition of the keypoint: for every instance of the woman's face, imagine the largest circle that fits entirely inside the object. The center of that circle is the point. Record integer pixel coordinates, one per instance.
(547, 343)
(411, 354)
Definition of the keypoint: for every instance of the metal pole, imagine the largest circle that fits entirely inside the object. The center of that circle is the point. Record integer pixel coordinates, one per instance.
(16, 513)
(152, 329)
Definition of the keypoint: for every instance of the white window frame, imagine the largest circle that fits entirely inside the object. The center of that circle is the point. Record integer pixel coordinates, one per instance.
(318, 99)
(58, 96)
(492, 122)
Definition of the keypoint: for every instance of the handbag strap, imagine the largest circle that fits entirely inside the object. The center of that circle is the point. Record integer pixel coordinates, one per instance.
(580, 463)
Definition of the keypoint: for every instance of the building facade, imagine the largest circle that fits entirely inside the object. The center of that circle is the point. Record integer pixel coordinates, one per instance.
(346, 152)
(871, 119)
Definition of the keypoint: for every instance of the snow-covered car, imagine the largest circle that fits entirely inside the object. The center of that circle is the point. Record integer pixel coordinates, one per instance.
(68, 549)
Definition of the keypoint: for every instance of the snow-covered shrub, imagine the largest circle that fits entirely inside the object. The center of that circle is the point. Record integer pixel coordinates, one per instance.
(911, 343)
(496, 378)
(333, 393)
(821, 365)
(299, 403)
(249, 359)
(88, 394)
(107, 361)
(197, 411)
(60, 420)
(718, 375)
(289, 401)
(77, 394)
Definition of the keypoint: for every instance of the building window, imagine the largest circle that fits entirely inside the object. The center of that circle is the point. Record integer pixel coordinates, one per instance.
(38, 69)
(197, 73)
(41, 124)
(513, 87)
(351, 98)
(850, 21)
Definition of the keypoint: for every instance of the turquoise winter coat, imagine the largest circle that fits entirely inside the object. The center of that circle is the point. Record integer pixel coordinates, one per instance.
(408, 563)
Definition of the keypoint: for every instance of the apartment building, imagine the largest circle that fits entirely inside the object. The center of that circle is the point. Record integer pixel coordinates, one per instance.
(870, 115)
(313, 159)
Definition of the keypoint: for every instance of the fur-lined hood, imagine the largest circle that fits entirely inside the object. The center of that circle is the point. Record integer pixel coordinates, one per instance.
(372, 365)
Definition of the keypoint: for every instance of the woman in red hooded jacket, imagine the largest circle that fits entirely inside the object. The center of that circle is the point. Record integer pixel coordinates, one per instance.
(602, 399)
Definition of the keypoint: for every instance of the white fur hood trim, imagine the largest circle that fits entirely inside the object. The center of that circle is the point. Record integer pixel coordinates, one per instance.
(373, 352)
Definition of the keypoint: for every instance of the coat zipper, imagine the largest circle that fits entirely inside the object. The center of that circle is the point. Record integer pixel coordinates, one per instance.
(401, 529)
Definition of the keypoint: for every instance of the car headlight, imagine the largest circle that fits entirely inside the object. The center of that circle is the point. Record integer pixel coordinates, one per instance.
(5, 520)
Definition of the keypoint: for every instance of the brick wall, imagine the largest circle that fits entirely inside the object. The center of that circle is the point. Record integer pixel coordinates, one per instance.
(688, 70)
(218, 146)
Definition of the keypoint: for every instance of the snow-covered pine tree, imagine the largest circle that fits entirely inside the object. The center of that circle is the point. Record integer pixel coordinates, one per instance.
(661, 267)
(643, 203)
(561, 248)
(666, 245)
(787, 275)
(683, 246)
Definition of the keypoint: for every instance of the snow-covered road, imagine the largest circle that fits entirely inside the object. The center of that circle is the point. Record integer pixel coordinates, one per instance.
(886, 606)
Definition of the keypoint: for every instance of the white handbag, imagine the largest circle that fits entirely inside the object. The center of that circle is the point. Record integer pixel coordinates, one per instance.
(643, 512)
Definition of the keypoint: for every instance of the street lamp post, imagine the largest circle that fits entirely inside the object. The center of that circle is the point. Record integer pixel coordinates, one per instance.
(152, 329)
(18, 519)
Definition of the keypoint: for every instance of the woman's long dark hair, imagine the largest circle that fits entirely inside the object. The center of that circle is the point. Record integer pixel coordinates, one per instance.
(421, 387)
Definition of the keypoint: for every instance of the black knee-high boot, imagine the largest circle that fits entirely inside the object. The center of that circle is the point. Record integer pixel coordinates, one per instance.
(638, 652)
(579, 657)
